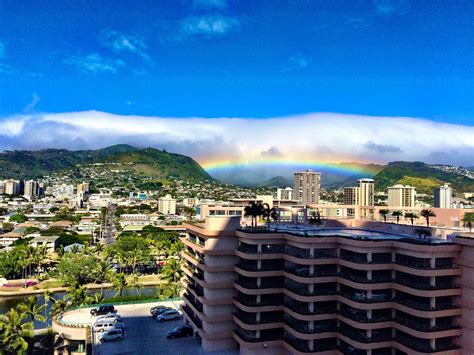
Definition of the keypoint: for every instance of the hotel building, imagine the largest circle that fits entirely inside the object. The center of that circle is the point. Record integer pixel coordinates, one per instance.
(306, 290)
(401, 196)
(306, 187)
(443, 196)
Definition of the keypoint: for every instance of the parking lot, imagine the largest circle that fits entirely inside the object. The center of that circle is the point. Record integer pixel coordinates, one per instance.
(144, 335)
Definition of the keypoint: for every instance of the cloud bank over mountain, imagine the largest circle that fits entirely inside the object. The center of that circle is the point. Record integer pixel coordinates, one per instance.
(326, 137)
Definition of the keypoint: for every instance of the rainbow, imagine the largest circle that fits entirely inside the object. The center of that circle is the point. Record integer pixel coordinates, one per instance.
(298, 165)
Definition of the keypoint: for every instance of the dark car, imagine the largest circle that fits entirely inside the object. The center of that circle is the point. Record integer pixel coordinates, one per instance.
(102, 310)
(159, 311)
(180, 332)
(156, 308)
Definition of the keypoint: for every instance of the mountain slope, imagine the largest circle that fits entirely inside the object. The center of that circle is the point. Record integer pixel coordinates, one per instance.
(422, 176)
(22, 164)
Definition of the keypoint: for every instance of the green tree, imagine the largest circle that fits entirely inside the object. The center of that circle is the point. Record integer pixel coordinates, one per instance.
(14, 332)
(32, 309)
(134, 281)
(18, 217)
(171, 271)
(427, 214)
(131, 251)
(119, 283)
(77, 269)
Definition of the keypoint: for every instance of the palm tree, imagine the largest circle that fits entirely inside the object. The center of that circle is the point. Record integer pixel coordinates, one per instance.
(171, 271)
(101, 272)
(384, 214)
(78, 296)
(397, 214)
(58, 307)
(30, 308)
(315, 218)
(97, 298)
(423, 233)
(119, 283)
(254, 210)
(48, 297)
(269, 213)
(411, 216)
(134, 281)
(14, 332)
(468, 221)
(426, 213)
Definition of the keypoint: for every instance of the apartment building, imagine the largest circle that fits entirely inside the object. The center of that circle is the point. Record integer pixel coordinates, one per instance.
(167, 205)
(31, 189)
(302, 290)
(306, 187)
(285, 194)
(443, 196)
(401, 196)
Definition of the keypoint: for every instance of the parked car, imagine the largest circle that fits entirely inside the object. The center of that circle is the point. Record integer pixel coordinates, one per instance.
(180, 332)
(168, 315)
(113, 334)
(156, 308)
(157, 312)
(110, 316)
(107, 325)
(103, 309)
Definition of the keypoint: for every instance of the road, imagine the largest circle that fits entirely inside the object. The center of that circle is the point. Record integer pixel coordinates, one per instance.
(109, 229)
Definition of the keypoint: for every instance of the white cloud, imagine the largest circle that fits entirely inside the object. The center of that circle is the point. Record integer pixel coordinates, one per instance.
(318, 136)
(121, 43)
(208, 25)
(297, 61)
(34, 100)
(391, 7)
(94, 63)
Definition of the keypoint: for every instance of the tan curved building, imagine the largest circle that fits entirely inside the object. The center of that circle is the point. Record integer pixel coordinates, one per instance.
(301, 290)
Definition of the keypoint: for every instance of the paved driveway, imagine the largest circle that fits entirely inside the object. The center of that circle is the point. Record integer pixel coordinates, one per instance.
(144, 335)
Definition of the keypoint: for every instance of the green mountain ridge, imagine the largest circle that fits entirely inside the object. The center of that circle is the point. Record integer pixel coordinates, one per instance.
(421, 176)
(26, 164)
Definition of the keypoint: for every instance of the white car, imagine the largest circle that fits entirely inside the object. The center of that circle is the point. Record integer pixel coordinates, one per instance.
(107, 325)
(111, 317)
(113, 334)
(169, 315)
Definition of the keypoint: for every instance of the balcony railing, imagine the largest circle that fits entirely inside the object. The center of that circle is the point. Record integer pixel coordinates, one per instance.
(303, 308)
(264, 301)
(189, 312)
(191, 299)
(196, 288)
(265, 335)
(265, 317)
(304, 326)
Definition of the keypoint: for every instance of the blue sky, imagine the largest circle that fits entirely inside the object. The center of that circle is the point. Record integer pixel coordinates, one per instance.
(336, 80)
(214, 58)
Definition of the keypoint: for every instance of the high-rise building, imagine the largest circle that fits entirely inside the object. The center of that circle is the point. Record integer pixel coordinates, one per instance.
(12, 187)
(351, 195)
(167, 205)
(31, 189)
(401, 196)
(306, 187)
(83, 187)
(2, 187)
(281, 292)
(285, 194)
(366, 192)
(443, 196)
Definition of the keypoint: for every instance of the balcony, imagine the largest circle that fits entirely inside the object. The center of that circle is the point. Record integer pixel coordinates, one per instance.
(361, 277)
(265, 317)
(265, 265)
(248, 248)
(306, 254)
(195, 255)
(354, 257)
(361, 316)
(265, 335)
(378, 335)
(195, 302)
(195, 319)
(197, 289)
(303, 307)
(320, 289)
(423, 324)
(305, 271)
(265, 300)
(195, 240)
(361, 296)
(303, 346)
(266, 282)
(304, 326)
